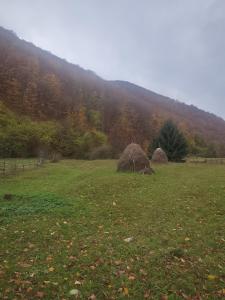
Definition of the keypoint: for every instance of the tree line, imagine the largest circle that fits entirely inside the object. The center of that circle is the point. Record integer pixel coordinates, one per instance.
(24, 137)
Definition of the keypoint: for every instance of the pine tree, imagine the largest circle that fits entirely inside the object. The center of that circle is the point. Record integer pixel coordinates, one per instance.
(172, 141)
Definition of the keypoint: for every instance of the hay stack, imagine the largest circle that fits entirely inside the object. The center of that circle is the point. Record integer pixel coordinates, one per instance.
(159, 156)
(133, 159)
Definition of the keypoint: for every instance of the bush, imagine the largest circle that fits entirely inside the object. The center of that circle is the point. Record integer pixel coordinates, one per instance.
(102, 152)
(22, 137)
(89, 141)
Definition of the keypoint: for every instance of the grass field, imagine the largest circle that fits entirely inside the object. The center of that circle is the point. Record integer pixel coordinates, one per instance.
(78, 229)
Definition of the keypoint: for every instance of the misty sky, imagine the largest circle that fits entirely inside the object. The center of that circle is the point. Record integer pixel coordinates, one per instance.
(173, 47)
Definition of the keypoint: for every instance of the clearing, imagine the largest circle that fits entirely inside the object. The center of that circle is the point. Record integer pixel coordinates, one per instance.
(81, 228)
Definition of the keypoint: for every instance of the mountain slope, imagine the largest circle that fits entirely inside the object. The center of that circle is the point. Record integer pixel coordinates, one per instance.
(36, 83)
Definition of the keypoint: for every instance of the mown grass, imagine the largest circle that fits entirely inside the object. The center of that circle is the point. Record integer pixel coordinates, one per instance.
(65, 227)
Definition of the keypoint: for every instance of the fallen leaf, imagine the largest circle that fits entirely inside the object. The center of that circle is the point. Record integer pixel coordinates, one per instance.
(74, 292)
(2, 273)
(49, 258)
(125, 291)
(212, 277)
(24, 265)
(40, 294)
(143, 272)
(185, 296)
(72, 257)
(221, 292)
(51, 269)
(147, 294)
(128, 240)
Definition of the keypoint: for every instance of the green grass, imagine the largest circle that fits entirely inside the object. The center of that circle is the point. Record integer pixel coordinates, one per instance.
(65, 227)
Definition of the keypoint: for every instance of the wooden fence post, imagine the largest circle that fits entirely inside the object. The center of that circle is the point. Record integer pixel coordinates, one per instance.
(4, 170)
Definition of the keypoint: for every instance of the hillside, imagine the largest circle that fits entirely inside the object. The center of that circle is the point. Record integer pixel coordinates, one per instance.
(44, 87)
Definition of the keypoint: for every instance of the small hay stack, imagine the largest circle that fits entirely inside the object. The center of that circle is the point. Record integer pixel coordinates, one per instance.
(133, 159)
(159, 156)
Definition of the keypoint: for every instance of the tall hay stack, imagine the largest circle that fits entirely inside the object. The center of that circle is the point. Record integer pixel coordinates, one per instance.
(134, 159)
(159, 156)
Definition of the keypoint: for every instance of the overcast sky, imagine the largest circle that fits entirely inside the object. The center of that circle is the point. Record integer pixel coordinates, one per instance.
(173, 47)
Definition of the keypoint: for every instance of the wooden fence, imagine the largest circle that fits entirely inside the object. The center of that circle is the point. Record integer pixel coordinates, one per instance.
(199, 160)
(12, 166)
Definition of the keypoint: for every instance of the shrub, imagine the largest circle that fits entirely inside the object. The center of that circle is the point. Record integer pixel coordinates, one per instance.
(102, 152)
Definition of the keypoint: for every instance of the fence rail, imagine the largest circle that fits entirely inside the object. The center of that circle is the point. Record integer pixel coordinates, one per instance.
(199, 160)
(12, 167)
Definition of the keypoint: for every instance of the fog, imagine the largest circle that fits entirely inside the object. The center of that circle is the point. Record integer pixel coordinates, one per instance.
(172, 47)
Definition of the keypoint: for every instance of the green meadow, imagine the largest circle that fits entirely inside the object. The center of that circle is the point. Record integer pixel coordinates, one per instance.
(80, 230)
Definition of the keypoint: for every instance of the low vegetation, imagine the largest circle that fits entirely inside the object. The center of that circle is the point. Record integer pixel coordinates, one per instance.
(78, 229)
(22, 137)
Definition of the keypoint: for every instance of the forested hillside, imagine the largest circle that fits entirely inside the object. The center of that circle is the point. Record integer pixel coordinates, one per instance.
(81, 111)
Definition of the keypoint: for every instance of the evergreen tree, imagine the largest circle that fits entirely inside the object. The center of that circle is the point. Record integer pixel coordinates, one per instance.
(172, 141)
